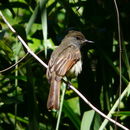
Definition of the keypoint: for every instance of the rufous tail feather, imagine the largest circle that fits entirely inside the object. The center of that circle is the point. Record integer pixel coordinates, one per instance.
(54, 95)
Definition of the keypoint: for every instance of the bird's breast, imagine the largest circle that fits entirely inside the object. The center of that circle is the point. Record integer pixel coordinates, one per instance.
(75, 70)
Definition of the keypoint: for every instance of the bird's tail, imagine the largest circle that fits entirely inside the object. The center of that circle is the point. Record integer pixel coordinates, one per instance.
(54, 95)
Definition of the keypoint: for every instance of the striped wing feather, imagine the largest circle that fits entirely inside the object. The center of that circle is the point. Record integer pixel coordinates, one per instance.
(64, 61)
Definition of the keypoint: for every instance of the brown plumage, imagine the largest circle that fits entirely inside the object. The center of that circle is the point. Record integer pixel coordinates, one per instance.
(63, 60)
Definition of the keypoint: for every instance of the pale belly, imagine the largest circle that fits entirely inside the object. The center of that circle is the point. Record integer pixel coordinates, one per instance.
(75, 70)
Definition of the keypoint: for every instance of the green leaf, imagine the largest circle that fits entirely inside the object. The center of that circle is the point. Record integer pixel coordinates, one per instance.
(32, 20)
(73, 116)
(87, 120)
(18, 118)
(2, 33)
(74, 105)
(5, 47)
(44, 23)
(122, 113)
(97, 121)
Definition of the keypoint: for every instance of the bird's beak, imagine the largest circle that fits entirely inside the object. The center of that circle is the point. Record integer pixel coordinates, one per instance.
(88, 41)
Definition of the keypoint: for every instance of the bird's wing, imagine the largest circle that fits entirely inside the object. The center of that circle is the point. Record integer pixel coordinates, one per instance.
(64, 61)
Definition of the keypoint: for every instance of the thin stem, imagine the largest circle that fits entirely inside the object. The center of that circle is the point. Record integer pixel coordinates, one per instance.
(16, 85)
(114, 108)
(120, 53)
(16, 63)
(95, 109)
(120, 47)
(23, 42)
(61, 105)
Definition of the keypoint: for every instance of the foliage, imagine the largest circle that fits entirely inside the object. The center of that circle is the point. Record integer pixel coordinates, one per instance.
(43, 24)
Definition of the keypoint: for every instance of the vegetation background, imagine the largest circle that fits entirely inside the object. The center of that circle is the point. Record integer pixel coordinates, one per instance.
(43, 24)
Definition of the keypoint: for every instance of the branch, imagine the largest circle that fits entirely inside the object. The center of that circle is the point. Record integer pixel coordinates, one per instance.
(1, 71)
(73, 88)
(94, 108)
(120, 48)
(114, 107)
(23, 42)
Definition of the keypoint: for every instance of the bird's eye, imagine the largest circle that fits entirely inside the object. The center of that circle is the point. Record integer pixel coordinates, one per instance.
(78, 38)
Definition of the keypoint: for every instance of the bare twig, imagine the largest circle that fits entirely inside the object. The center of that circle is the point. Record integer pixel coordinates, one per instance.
(94, 108)
(1, 71)
(114, 107)
(120, 47)
(23, 42)
(120, 52)
(73, 88)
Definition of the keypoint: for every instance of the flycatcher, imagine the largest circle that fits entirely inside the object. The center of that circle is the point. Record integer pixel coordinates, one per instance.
(66, 58)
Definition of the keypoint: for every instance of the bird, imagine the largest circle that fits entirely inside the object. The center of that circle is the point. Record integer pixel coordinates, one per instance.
(65, 60)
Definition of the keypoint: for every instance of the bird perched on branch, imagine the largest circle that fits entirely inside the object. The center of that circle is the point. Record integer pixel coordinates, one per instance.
(66, 58)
